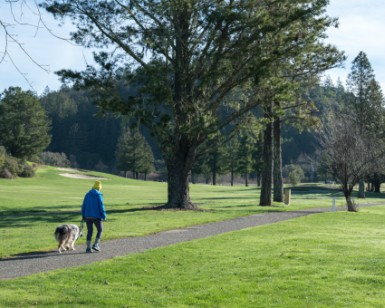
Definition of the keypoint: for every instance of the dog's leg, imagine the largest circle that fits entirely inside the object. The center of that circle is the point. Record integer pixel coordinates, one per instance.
(63, 246)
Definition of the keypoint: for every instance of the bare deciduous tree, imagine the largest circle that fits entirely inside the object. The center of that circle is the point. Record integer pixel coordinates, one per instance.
(21, 17)
(349, 154)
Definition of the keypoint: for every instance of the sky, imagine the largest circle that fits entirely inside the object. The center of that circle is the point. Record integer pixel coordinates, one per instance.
(361, 28)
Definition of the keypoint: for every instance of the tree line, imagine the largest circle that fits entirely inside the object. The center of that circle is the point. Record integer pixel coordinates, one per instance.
(341, 139)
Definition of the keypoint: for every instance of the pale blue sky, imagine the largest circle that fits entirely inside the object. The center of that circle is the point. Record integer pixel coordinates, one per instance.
(362, 26)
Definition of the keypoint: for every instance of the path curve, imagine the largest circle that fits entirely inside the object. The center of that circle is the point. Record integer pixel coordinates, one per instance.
(32, 263)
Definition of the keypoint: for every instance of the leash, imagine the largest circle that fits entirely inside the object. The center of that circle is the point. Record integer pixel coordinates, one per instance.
(81, 225)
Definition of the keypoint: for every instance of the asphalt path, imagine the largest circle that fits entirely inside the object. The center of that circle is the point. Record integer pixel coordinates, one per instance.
(32, 263)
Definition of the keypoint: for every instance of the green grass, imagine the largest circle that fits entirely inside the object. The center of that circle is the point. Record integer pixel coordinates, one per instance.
(37, 205)
(323, 260)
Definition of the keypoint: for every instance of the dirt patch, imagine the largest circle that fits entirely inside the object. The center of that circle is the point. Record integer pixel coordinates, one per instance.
(75, 175)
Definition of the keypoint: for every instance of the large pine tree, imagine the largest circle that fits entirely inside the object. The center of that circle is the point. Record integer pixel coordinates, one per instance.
(190, 56)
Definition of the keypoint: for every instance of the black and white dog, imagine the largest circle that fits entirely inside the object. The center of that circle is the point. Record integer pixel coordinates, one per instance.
(67, 235)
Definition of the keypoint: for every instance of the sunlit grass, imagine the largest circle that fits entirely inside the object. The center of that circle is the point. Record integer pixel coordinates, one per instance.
(323, 260)
(37, 205)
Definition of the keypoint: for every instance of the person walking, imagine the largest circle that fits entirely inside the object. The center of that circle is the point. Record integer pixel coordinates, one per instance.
(93, 213)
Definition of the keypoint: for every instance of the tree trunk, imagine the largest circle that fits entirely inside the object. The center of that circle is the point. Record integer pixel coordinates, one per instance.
(278, 180)
(267, 170)
(247, 180)
(232, 176)
(351, 206)
(178, 170)
(259, 178)
(361, 189)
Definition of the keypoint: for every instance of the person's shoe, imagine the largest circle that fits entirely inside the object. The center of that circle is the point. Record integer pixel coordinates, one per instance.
(88, 250)
(96, 247)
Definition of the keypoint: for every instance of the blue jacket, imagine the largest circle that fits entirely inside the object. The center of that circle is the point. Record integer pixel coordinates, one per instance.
(93, 205)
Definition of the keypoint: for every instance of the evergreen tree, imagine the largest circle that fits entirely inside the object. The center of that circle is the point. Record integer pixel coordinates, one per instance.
(198, 53)
(366, 99)
(133, 153)
(79, 130)
(217, 157)
(232, 148)
(246, 159)
(267, 157)
(146, 162)
(24, 126)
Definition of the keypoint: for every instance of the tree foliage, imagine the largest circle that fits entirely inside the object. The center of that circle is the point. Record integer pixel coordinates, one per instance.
(366, 100)
(24, 126)
(189, 57)
(133, 153)
(79, 130)
(366, 97)
(293, 174)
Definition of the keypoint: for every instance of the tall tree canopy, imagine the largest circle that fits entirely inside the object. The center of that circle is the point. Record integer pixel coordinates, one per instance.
(366, 100)
(24, 126)
(189, 57)
(78, 131)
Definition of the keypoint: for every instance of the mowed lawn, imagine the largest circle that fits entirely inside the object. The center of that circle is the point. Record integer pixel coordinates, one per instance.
(30, 209)
(322, 260)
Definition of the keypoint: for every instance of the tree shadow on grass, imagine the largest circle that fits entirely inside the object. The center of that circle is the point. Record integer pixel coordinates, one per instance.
(17, 219)
(12, 219)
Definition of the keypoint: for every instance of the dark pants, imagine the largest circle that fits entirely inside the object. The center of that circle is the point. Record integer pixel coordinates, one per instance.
(90, 221)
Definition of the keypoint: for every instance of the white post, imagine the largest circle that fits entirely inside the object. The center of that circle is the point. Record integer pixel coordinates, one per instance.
(334, 209)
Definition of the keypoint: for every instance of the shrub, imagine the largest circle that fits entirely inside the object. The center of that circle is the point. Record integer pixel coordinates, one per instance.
(293, 174)
(2, 156)
(11, 164)
(6, 174)
(55, 159)
(25, 170)
(12, 167)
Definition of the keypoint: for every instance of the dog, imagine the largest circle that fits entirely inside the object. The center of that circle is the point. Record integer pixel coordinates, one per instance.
(67, 235)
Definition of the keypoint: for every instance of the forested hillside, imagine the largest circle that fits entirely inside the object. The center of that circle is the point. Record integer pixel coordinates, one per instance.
(89, 138)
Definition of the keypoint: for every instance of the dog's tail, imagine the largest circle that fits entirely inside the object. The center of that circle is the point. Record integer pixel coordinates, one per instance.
(61, 231)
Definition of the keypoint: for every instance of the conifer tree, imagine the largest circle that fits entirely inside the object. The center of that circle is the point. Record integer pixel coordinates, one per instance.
(24, 126)
(189, 57)
(366, 99)
(133, 153)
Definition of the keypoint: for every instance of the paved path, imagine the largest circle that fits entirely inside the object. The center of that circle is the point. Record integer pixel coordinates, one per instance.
(27, 264)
